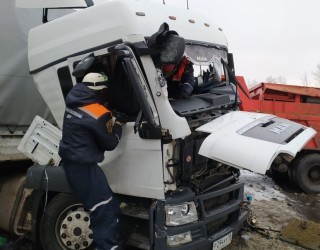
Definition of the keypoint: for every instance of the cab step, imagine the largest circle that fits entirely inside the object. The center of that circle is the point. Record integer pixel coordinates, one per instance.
(133, 210)
(138, 240)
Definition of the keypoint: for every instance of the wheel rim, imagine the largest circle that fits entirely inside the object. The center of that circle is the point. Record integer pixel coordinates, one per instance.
(314, 175)
(72, 228)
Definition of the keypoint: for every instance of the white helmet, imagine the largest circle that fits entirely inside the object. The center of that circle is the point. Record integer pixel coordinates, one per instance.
(95, 81)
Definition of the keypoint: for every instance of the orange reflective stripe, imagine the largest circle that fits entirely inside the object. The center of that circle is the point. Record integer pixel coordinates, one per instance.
(178, 75)
(95, 110)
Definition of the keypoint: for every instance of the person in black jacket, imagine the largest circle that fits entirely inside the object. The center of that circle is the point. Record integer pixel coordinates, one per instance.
(89, 131)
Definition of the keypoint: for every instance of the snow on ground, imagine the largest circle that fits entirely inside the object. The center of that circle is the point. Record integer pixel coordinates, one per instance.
(261, 187)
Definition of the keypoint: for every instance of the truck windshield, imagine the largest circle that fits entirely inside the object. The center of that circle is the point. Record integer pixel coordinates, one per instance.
(204, 54)
(207, 66)
(212, 92)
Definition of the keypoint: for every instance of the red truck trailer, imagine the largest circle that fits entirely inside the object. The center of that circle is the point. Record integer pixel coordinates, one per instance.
(299, 104)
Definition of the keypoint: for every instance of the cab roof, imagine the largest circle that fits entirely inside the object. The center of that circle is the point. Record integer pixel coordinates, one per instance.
(114, 20)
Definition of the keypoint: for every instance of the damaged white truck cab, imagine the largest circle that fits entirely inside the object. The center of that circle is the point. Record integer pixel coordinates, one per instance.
(173, 170)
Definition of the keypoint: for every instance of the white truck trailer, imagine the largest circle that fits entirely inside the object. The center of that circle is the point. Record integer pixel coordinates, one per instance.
(178, 188)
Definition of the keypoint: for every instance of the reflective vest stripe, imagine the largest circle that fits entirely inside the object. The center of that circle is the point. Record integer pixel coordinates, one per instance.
(178, 75)
(100, 204)
(95, 110)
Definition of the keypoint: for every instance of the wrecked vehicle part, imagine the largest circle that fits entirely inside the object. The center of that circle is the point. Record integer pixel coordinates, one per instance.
(255, 139)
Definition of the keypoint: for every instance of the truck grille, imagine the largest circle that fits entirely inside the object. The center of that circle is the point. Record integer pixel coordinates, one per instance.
(220, 209)
(224, 200)
(221, 223)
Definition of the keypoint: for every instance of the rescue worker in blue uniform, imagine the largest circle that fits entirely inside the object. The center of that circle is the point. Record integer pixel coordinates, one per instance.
(89, 131)
(180, 79)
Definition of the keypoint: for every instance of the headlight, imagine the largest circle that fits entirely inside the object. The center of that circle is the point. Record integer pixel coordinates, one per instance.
(179, 239)
(181, 214)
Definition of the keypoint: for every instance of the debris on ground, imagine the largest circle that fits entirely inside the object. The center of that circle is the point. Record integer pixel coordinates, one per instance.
(302, 233)
(273, 206)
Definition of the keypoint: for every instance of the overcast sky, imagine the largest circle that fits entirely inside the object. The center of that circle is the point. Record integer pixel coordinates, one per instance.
(268, 37)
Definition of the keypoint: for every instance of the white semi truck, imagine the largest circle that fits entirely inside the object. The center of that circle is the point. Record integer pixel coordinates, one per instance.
(176, 168)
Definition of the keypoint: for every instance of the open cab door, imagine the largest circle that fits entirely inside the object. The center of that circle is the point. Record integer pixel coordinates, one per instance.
(252, 140)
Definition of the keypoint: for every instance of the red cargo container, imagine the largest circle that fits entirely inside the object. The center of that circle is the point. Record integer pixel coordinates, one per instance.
(299, 104)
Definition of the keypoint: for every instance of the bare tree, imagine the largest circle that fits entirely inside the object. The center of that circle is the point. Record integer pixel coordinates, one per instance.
(316, 74)
(278, 79)
(251, 83)
(271, 79)
(305, 79)
(281, 79)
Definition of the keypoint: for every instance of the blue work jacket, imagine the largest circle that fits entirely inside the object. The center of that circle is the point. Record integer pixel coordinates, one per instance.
(85, 133)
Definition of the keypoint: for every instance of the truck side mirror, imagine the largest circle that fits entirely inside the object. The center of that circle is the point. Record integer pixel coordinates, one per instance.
(172, 50)
(168, 44)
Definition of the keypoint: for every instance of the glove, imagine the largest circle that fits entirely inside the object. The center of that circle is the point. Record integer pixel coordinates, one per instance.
(121, 117)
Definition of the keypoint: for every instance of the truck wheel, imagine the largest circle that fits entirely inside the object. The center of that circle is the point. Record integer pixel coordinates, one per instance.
(292, 174)
(65, 225)
(308, 173)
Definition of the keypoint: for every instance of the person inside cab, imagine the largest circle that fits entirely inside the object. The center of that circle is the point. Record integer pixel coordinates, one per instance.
(180, 79)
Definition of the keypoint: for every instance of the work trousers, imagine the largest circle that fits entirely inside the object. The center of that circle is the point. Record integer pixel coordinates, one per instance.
(91, 188)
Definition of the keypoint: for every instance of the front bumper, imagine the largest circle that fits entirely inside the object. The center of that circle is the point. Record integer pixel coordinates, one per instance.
(219, 214)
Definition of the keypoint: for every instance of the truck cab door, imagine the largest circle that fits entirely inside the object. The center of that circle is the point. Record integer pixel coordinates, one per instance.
(252, 140)
(135, 166)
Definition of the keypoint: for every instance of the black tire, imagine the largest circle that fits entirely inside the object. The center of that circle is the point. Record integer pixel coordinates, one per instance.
(308, 173)
(292, 174)
(65, 225)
